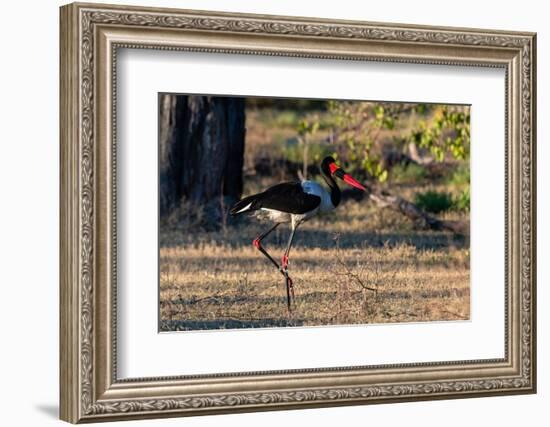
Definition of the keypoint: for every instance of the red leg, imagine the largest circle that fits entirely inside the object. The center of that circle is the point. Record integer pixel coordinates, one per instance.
(257, 242)
(284, 265)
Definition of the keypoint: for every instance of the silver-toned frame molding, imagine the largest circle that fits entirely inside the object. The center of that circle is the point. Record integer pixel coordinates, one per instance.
(90, 36)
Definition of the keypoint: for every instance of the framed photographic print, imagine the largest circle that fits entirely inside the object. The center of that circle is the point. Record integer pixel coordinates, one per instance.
(266, 212)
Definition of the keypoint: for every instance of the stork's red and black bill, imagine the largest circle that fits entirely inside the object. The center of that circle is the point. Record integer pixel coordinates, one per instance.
(346, 177)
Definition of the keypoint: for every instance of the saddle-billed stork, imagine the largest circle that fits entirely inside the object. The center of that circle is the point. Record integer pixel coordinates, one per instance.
(294, 202)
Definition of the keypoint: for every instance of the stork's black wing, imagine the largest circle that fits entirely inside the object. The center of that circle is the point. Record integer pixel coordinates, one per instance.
(289, 197)
(285, 197)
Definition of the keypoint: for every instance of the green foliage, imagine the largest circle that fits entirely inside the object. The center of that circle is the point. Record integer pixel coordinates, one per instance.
(460, 181)
(383, 120)
(408, 174)
(356, 126)
(421, 108)
(308, 126)
(358, 134)
(460, 176)
(358, 129)
(462, 201)
(433, 201)
(448, 132)
(437, 202)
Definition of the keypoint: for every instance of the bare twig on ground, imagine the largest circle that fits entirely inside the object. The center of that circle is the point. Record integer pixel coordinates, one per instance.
(347, 271)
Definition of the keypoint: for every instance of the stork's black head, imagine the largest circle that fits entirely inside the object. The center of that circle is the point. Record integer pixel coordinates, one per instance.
(325, 164)
(329, 167)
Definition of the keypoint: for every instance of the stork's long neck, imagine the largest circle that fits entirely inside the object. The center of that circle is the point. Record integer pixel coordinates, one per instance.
(335, 194)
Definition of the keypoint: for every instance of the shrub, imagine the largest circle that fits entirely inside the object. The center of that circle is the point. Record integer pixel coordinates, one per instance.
(433, 201)
(436, 202)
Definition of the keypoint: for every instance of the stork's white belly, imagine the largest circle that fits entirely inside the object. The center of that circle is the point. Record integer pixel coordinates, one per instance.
(273, 215)
(278, 216)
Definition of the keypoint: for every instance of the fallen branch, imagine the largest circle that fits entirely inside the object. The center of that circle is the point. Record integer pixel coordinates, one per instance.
(383, 199)
(413, 212)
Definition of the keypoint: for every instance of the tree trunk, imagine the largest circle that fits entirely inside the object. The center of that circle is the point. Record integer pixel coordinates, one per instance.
(201, 150)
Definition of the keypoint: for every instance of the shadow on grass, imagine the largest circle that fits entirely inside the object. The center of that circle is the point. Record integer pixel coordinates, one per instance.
(324, 239)
(225, 300)
(316, 297)
(188, 325)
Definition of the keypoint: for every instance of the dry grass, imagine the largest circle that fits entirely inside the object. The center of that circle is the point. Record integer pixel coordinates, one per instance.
(358, 265)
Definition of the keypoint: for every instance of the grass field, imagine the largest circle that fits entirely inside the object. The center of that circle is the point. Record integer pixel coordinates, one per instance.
(360, 264)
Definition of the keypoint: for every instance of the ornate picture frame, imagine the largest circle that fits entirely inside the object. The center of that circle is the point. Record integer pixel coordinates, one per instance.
(90, 37)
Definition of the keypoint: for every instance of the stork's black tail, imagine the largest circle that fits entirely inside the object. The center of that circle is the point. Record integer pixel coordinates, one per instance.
(245, 205)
